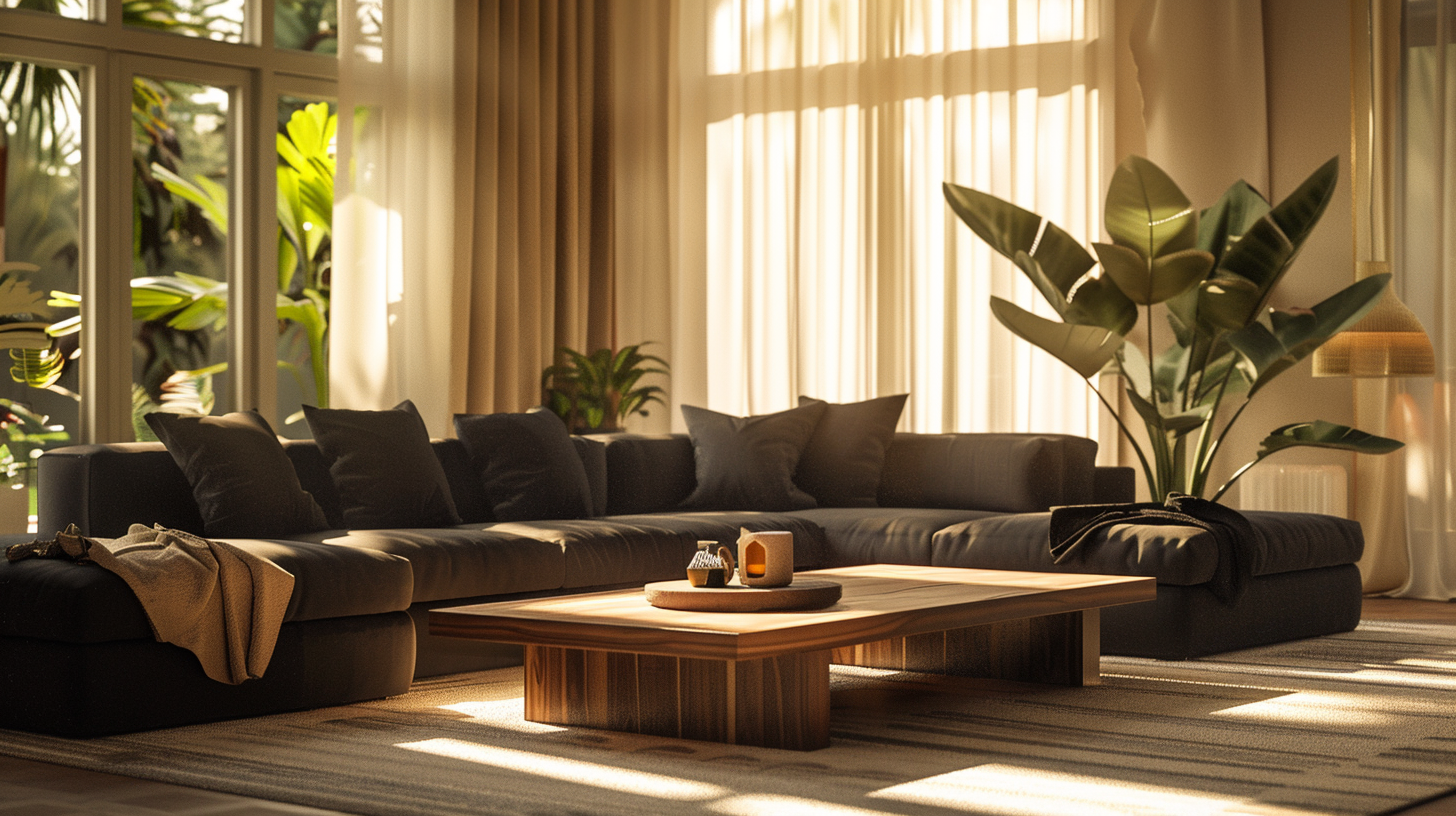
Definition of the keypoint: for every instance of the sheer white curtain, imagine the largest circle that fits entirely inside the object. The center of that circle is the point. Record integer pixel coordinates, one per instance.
(390, 336)
(814, 251)
(1426, 265)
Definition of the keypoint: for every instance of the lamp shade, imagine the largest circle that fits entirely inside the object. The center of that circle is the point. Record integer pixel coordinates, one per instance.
(1387, 342)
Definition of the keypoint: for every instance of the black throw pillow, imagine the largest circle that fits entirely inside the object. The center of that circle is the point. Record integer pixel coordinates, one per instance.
(528, 466)
(383, 466)
(241, 478)
(747, 463)
(841, 464)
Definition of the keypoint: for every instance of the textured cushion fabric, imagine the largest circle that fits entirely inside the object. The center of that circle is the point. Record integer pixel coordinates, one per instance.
(1190, 621)
(1301, 541)
(104, 489)
(647, 473)
(881, 535)
(1174, 555)
(457, 562)
(87, 691)
(841, 464)
(243, 482)
(606, 552)
(725, 527)
(593, 454)
(83, 603)
(748, 463)
(1010, 473)
(383, 467)
(526, 464)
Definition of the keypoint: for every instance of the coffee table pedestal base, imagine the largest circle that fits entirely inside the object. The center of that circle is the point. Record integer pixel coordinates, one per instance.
(1062, 649)
(776, 702)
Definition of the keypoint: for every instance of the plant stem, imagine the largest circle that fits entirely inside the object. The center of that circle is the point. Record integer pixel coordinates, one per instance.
(1213, 451)
(1143, 459)
(1202, 458)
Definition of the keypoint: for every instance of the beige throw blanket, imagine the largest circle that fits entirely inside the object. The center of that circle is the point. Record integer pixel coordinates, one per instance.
(221, 603)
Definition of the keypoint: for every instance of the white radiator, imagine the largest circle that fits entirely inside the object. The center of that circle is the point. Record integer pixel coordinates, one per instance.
(1294, 488)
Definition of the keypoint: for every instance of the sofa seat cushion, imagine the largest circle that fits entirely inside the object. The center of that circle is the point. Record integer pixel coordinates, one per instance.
(607, 551)
(1179, 556)
(465, 561)
(724, 527)
(82, 603)
(882, 535)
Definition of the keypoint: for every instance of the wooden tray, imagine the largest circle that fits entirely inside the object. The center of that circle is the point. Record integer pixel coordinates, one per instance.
(803, 593)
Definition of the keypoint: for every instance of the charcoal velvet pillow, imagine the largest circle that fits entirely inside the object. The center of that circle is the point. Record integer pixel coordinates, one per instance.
(242, 480)
(383, 466)
(747, 463)
(841, 464)
(528, 465)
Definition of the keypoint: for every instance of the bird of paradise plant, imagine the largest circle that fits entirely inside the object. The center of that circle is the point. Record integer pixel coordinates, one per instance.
(1211, 273)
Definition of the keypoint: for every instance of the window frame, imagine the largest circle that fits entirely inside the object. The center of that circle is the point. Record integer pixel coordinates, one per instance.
(106, 53)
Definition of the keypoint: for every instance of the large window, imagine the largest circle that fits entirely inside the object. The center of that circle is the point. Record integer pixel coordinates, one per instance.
(831, 263)
(166, 220)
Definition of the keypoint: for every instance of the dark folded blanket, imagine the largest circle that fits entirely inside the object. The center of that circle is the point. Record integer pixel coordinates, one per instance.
(1075, 526)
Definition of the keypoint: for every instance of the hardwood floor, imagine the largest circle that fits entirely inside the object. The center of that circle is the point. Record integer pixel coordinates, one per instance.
(33, 788)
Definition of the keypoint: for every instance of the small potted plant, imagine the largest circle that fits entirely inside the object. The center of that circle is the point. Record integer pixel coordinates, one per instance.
(593, 393)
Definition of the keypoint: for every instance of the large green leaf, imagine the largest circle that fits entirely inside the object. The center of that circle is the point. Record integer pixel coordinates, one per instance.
(1321, 434)
(1146, 284)
(1085, 349)
(1252, 266)
(1317, 434)
(208, 196)
(1146, 212)
(1096, 301)
(1268, 351)
(1009, 229)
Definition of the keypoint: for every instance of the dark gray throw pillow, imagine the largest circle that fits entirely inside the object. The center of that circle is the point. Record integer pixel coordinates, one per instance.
(242, 480)
(383, 466)
(841, 464)
(528, 465)
(747, 463)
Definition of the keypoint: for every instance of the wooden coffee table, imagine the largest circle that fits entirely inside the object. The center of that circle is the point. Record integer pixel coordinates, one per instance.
(611, 660)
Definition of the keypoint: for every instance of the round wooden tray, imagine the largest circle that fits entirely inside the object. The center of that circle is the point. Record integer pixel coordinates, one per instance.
(803, 593)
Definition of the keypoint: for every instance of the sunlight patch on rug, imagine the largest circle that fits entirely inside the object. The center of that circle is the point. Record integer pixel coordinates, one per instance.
(570, 770)
(1004, 789)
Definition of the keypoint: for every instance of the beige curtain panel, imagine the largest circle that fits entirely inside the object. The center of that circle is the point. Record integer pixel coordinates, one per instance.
(533, 194)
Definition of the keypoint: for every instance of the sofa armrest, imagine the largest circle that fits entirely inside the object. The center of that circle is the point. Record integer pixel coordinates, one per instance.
(103, 489)
(1114, 484)
(1012, 473)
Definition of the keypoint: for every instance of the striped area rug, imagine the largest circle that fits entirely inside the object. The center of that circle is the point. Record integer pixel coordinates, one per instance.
(1358, 723)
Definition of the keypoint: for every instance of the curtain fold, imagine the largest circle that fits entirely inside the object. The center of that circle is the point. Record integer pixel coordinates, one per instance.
(815, 253)
(1426, 264)
(533, 195)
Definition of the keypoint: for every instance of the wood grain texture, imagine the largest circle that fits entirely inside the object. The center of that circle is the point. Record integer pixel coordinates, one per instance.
(1060, 649)
(805, 593)
(777, 702)
(879, 602)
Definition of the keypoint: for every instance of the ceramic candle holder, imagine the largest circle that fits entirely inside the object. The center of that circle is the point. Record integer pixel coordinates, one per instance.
(765, 558)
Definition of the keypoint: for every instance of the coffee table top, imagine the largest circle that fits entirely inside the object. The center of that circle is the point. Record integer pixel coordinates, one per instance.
(880, 601)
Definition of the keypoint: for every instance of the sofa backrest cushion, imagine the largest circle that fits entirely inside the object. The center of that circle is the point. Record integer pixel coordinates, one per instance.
(105, 488)
(1011, 473)
(383, 467)
(647, 473)
(526, 465)
(842, 463)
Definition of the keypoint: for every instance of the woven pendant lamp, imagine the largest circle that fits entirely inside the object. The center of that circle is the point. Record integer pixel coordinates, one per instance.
(1389, 341)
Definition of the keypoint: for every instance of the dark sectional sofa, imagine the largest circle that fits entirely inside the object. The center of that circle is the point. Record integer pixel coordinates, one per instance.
(77, 656)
